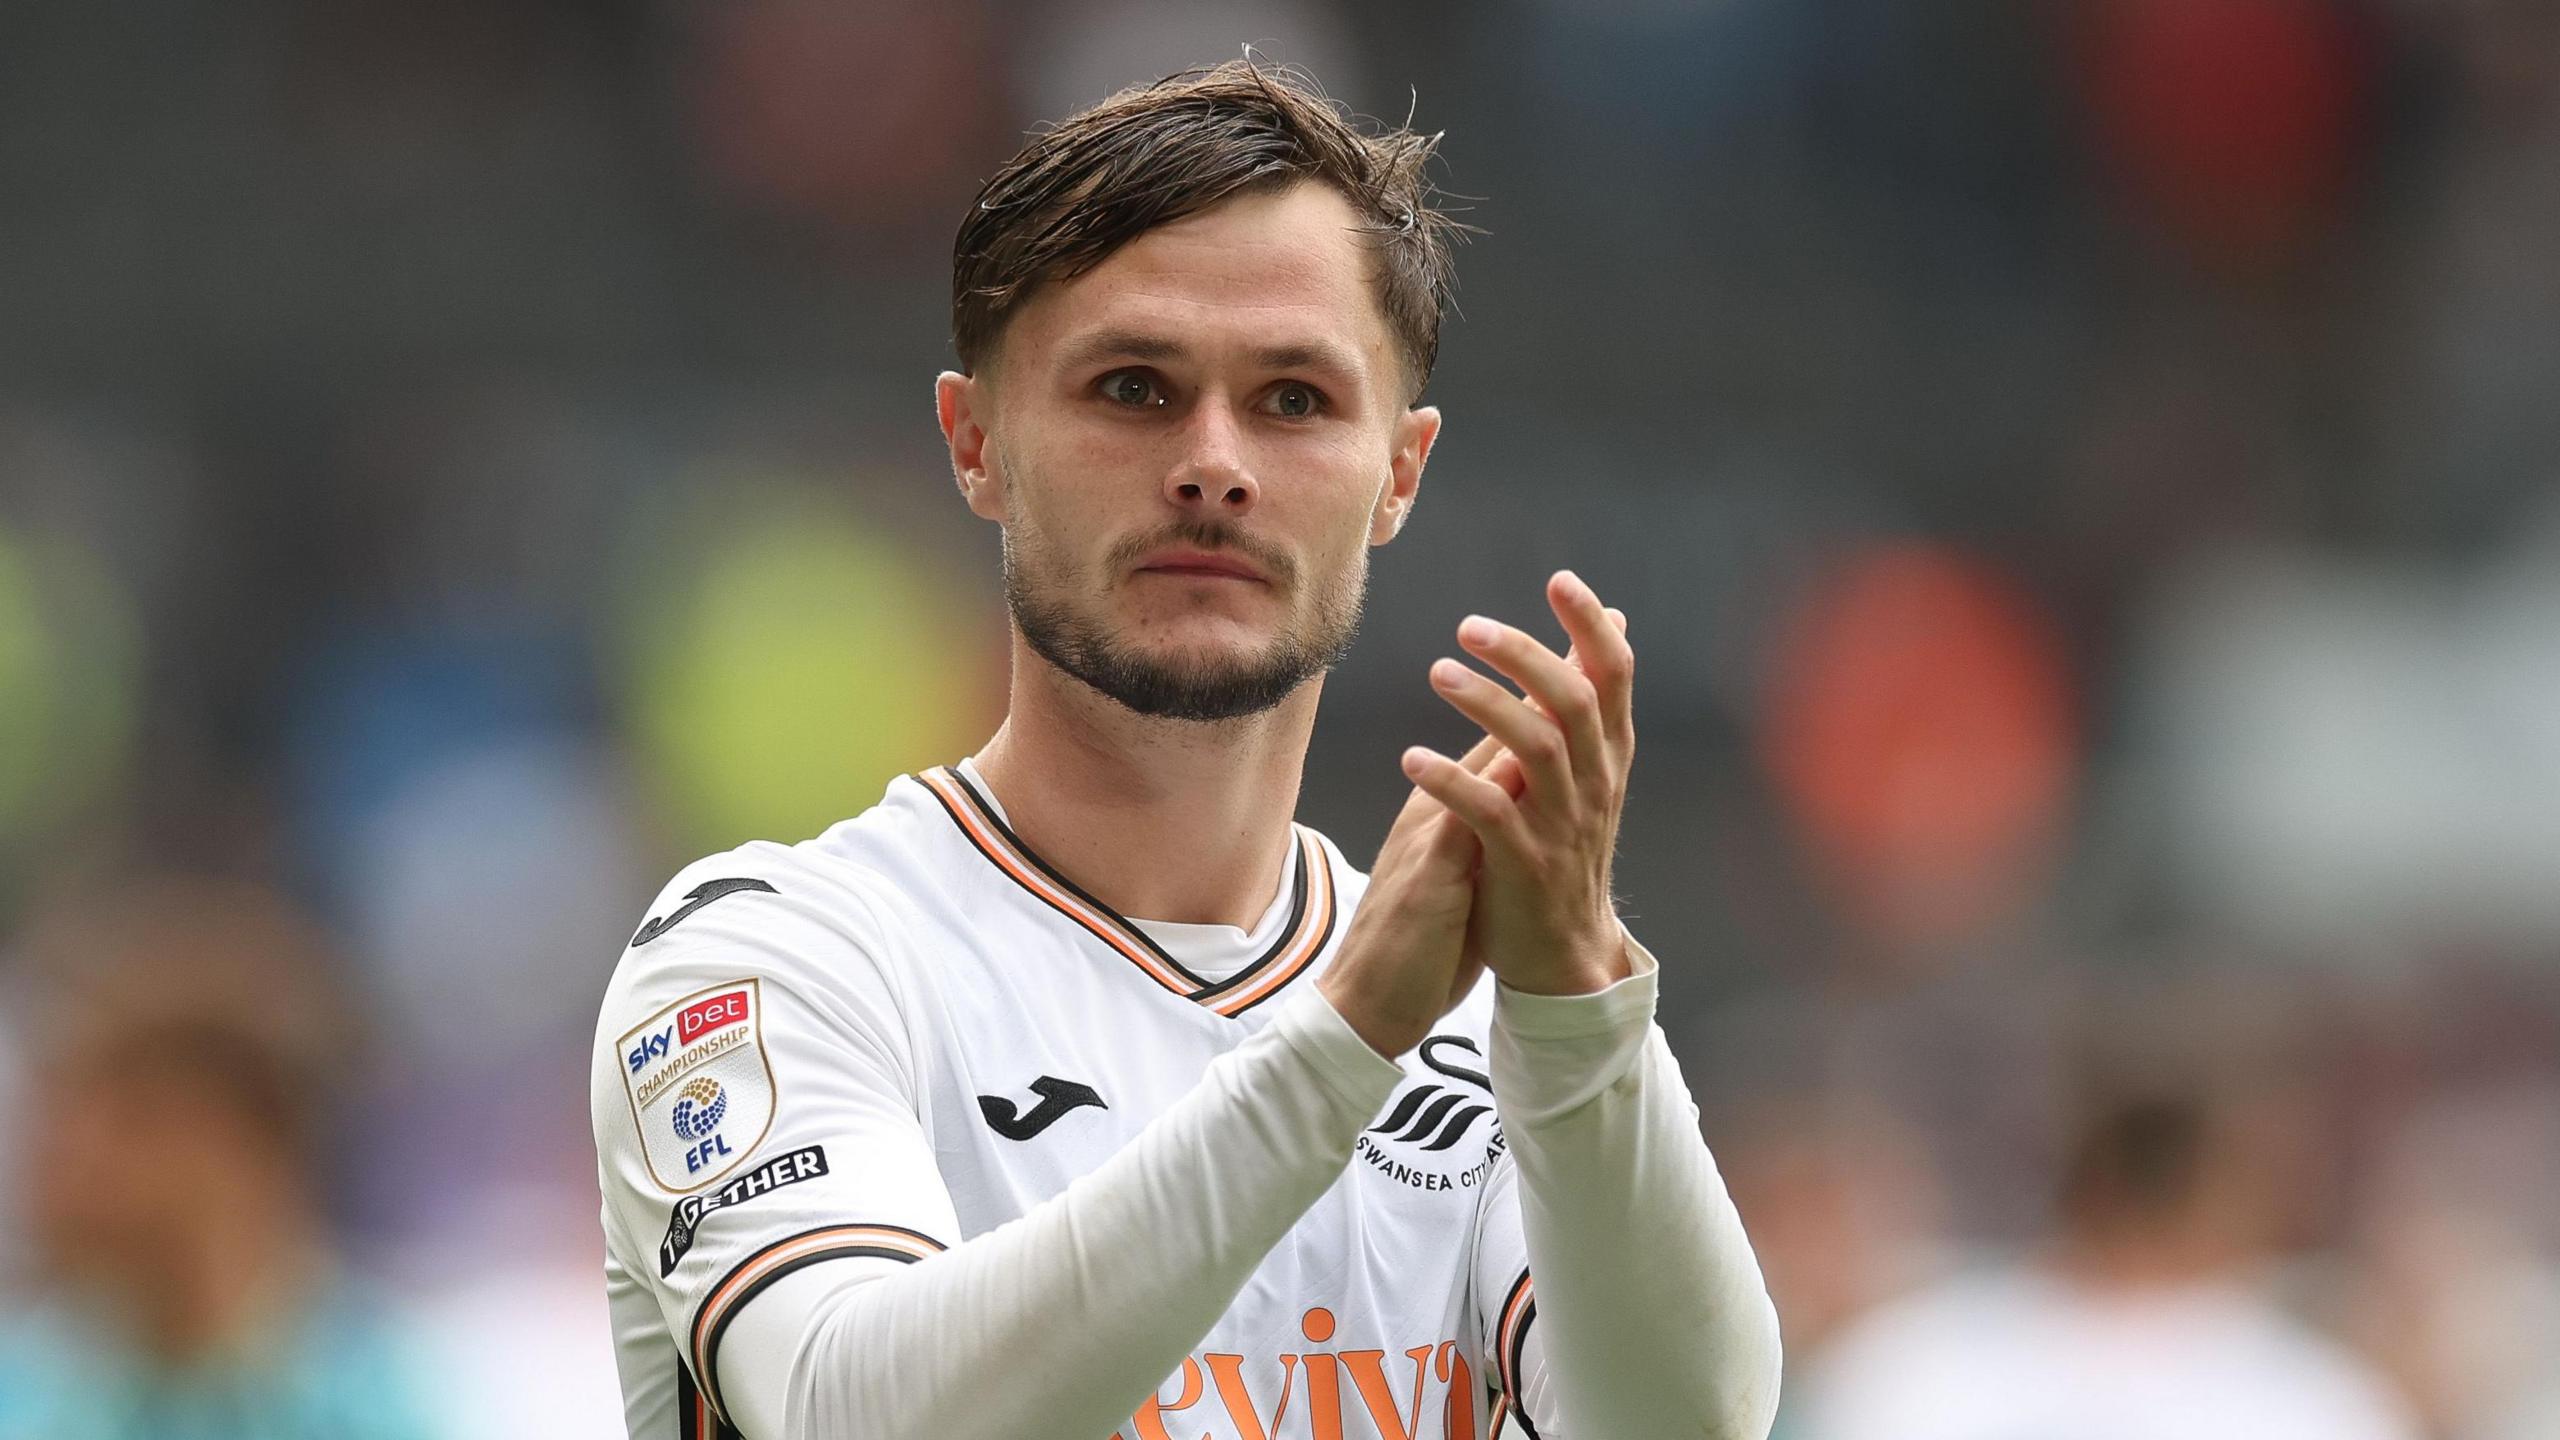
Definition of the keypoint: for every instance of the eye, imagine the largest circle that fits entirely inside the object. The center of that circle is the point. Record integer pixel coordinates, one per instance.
(1296, 401)
(1133, 388)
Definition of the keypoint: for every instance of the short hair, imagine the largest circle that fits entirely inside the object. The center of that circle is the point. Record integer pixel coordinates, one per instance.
(1155, 154)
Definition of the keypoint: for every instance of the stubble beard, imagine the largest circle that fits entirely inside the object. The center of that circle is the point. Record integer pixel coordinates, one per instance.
(1059, 620)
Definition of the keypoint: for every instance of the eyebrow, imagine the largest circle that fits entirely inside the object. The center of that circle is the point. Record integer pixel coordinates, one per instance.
(1137, 345)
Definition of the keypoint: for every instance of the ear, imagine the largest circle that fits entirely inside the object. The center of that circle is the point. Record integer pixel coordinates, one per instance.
(961, 403)
(1417, 430)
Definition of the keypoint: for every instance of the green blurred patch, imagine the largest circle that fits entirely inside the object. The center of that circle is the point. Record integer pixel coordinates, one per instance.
(787, 662)
(67, 681)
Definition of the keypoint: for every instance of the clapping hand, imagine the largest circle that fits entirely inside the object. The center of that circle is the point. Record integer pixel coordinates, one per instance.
(1545, 809)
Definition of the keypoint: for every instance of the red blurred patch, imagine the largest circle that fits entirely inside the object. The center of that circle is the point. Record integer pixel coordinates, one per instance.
(852, 115)
(2234, 124)
(1920, 727)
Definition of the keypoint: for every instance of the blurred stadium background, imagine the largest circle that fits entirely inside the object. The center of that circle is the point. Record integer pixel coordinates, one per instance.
(2082, 475)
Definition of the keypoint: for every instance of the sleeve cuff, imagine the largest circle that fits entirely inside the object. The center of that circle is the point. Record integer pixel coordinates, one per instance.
(1554, 1054)
(1625, 1005)
(1358, 1075)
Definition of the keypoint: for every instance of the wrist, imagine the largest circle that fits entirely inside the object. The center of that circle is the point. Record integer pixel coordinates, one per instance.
(1377, 1023)
(1585, 969)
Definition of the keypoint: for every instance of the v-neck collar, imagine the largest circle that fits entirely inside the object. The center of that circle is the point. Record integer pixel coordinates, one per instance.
(1312, 911)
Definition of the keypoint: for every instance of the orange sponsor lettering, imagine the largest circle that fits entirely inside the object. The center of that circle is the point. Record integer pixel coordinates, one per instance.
(1392, 1416)
(1150, 1420)
(1458, 1412)
(1369, 1374)
(1324, 1381)
(1228, 1372)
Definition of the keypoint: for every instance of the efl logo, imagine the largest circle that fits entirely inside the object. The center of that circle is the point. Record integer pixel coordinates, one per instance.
(717, 1013)
(701, 1092)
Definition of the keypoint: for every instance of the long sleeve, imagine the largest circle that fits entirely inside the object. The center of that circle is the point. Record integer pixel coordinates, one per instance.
(815, 1280)
(1630, 1304)
(1042, 1326)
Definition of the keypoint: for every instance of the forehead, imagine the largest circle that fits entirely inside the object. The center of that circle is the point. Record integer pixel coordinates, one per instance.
(1261, 270)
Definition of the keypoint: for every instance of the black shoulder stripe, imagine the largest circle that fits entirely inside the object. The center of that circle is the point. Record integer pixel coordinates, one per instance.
(788, 1256)
(696, 1420)
(1511, 1354)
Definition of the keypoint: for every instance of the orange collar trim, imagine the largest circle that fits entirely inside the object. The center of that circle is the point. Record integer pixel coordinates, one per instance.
(1311, 905)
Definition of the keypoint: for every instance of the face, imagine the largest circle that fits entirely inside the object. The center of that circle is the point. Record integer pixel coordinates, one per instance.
(1191, 448)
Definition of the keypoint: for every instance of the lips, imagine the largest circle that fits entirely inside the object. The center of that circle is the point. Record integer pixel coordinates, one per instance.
(1203, 564)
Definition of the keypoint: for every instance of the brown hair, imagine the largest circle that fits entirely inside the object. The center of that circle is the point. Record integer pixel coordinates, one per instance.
(1154, 154)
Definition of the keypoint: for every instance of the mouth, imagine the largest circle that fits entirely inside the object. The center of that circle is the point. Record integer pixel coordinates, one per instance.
(1201, 565)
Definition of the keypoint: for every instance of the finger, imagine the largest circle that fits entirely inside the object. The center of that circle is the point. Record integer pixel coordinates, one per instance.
(1586, 620)
(1617, 617)
(1534, 739)
(1560, 688)
(1575, 654)
(1483, 805)
(1436, 839)
(1418, 804)
(1496, 764)
(1626, 737)
(1448, 842)
(1600, 648)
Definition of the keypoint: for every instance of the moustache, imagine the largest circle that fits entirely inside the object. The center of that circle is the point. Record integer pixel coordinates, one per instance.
(1211, 537)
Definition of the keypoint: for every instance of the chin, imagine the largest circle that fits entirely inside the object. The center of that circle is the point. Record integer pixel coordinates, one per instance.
(1222, 650)
(1200, 630)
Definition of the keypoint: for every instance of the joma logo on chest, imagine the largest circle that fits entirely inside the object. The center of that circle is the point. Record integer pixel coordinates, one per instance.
(1057, 1097)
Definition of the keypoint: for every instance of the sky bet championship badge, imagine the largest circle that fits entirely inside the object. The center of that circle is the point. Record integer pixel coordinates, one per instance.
(700, 1088)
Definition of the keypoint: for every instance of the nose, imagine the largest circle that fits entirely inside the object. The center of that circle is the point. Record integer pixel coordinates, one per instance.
(1211, 474)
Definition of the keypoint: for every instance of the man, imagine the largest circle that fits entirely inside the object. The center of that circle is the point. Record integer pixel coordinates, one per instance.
(909, 1130)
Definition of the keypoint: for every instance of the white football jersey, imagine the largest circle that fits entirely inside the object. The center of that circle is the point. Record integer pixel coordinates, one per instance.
(910, 1030)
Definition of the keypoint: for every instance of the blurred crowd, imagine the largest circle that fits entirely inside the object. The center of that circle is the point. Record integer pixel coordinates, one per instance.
(2081, 476)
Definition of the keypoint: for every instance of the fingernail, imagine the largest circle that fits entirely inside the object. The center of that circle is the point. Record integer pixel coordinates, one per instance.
(1476, 630)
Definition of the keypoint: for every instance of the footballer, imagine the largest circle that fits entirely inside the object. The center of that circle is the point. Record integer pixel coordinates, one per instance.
(1074, 1091)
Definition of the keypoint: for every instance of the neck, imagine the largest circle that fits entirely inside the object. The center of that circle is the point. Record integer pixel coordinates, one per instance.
(1173, 820)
